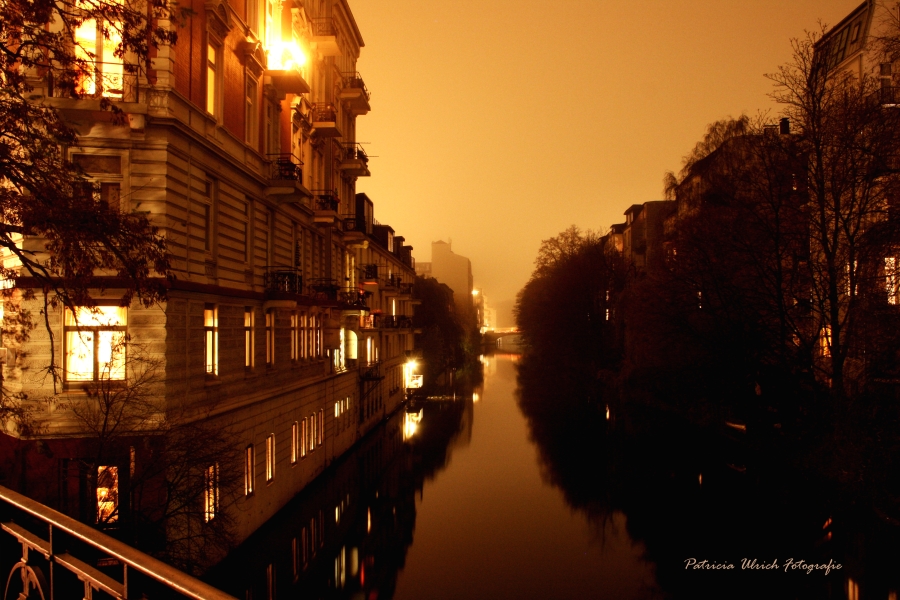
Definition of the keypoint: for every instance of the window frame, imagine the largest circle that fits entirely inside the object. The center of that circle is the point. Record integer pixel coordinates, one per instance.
(249, 468)
(95, 331)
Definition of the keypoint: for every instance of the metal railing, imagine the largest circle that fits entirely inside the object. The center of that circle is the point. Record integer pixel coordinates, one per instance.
(285, 167)
(110, 80)
(353, 224)
(323, 112)
(323, 288)
(323, 26)
(354, 151)
(280, 279)
(354, 297)
(327, 200)
(355, 80)
(63, 558)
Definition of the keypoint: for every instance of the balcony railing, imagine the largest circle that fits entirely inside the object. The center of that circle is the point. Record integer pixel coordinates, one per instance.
(354, 80)
(285, 167)
(324, 289)
(354, 151)
(280, 279)
(76, 559)
(110, 80)
(355, 297)
(323, 26)
(323, 112)
(327, 200)
(353, 224)
(370, 272)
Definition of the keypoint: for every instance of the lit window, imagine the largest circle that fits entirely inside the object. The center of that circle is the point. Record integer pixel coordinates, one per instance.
(252, 123)
(295, 442)
(211, 330)
(248, 470)
(270, 457)
(825, 341)
(211, 493)
(319, 323)
(304, 438)
(312, 432)
(295, 336)
(270, 337)
(320, 430)
(95, 343)
(890, 279)
(107, 494)
(212, 84)
(105, 76)
(248, 337)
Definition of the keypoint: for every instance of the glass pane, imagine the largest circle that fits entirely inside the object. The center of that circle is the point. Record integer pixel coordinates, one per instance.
(111, 354)
(98, 316)
(107, 494)
(79, 356)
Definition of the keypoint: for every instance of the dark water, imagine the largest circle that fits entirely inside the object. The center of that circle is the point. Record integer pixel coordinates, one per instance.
(525, 488)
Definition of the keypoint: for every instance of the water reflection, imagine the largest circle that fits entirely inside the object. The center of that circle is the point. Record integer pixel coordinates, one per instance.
(710, 511)
(347, 535)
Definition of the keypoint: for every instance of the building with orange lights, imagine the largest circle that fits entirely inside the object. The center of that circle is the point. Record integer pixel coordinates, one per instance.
(287, 322)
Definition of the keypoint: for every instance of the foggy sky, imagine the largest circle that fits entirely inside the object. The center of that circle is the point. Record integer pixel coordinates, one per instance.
(499, 123)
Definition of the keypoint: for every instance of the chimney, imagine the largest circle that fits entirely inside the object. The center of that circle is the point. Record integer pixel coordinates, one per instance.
(785, 126)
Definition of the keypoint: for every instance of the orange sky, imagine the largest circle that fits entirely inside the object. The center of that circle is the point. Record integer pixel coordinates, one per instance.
(499, 123)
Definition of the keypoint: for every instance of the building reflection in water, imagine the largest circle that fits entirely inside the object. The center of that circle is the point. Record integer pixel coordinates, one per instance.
(347, 535)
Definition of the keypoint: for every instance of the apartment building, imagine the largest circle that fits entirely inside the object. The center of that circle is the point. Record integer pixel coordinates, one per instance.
(287, 319)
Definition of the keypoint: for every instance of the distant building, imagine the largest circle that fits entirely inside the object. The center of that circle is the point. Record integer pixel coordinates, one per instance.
(451, 269)
(643, 235)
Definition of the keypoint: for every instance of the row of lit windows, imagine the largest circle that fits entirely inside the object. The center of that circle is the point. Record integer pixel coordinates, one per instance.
(306, 337)
(306, 435)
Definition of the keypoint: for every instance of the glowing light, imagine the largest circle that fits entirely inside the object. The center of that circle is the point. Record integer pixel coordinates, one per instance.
(474, 292)
(411, 424)
(284, 56)
(475, 397)
(607, 412)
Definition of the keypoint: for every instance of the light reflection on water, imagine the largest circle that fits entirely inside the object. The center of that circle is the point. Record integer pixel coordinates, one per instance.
(533, 485)
(447, 500)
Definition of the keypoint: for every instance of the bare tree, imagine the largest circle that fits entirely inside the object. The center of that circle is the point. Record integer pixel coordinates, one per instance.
(173, 501)
(849, 142)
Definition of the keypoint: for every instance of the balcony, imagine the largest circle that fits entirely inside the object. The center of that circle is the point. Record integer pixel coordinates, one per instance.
(324, 120)
(354, 160)
(354, 297)
(110, 81)
(286, 81)
(370, 273)
(281, 280)
(325, 36)
(286, 180)
(326, 206)
(354, 94)
(323, 289)
(354, 232)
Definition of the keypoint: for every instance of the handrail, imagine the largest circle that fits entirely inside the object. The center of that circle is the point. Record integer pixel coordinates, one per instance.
(134, 559)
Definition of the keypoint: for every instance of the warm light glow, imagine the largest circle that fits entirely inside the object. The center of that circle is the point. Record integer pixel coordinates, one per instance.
(107, 494)
(475, 397)
(284, 56)
(474, 292)
(411, 424)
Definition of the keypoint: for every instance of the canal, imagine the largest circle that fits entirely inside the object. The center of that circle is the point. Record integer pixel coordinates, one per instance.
(533, 485)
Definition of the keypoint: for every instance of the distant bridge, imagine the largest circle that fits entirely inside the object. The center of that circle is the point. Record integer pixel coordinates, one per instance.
(492, 336)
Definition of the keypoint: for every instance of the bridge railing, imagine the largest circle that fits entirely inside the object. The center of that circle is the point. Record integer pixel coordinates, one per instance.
(59, 557)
